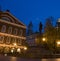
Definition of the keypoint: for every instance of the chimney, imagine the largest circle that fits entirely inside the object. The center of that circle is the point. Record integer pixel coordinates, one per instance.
(7, 10)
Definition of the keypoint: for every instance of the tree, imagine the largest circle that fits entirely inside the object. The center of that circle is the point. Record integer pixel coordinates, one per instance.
(30, 29)
(40, 27)
(50, 33)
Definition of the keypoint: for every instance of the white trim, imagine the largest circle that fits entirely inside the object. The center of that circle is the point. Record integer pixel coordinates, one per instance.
(9, 35)
(12, 23)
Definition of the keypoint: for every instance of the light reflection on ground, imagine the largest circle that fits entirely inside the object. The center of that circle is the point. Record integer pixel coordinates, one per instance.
(52, 59)
(13, 59)
(6, 58)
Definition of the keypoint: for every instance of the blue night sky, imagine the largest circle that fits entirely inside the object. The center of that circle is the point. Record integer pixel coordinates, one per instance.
(32, 10)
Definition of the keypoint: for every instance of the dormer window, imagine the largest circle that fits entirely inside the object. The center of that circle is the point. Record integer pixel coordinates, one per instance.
(3, 28)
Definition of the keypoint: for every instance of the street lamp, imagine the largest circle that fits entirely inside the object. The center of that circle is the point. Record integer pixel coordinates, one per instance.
(15, 44)
(43, 39)
(19, 50)
(12, 51)
(25, 48)
(58, 43)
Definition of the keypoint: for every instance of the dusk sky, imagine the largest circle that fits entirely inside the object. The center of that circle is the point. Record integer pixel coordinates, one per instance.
(32, 10)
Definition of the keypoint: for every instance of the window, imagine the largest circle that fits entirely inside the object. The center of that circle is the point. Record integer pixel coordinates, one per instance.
(19, 41)
(1, 39)
(13, 40)
(21, 31)
(8, 39)
(3, 28)
(15, 31)
(10, 30)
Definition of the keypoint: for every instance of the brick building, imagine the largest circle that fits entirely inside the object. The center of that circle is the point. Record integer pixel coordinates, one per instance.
(12, 32)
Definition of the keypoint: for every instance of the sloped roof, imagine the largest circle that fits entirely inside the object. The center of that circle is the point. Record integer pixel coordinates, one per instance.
(9, 17)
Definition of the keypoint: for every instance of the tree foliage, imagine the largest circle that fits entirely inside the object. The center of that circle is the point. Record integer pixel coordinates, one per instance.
(30, 29)
(50, 33)
(40, 28)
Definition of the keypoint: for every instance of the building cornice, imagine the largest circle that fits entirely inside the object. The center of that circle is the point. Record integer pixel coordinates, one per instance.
(11, 46)
(14, 36)
(12, 23)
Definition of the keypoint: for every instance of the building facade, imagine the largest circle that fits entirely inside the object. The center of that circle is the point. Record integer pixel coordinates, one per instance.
(32, 40)
(58, 22)
(12, 32)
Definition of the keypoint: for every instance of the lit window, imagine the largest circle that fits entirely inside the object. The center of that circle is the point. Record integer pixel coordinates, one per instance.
(3, 28)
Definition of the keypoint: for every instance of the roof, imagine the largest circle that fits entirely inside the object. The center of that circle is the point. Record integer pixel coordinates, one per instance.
(10, 18)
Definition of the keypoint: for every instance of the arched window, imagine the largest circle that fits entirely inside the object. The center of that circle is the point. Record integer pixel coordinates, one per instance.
(13, 40)
(15, 31)
(8, 39)
(1, 39)
(19, 41)
(3, 28)
(20, 32)
(10, 30)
